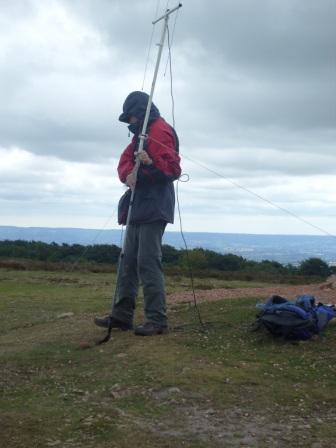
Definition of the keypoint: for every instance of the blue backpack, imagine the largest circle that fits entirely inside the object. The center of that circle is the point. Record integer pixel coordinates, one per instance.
(295, 320)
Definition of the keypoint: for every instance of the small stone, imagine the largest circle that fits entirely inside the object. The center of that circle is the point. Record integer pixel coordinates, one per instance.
(54, 443)
(115, 394)
(64, 315)
(174, 390)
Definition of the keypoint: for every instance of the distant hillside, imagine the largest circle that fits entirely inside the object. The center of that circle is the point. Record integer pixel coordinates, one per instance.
(281, 248)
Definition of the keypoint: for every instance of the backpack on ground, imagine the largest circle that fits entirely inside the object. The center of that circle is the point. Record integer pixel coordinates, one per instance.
(295, 320)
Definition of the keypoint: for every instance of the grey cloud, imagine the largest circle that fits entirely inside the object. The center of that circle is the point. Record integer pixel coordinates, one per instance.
(253, 84)
(263, 64)
(126, 26)
(282, 36)
(230, 88)
(270, 34)
(257, 163)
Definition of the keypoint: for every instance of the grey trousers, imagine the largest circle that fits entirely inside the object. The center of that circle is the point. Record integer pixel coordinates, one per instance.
(142, 263)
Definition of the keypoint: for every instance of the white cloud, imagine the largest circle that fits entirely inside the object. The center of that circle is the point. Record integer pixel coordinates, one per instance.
(46, 188)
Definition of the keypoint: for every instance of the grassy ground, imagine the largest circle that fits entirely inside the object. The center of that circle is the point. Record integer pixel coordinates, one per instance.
(225, 387)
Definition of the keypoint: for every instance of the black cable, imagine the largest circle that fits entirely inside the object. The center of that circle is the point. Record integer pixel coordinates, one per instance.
(171, 41)
(179, 180)
(187, 252)
(171, 76)
(150, 46)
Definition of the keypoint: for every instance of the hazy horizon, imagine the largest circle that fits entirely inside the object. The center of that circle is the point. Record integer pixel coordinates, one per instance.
(168, 229)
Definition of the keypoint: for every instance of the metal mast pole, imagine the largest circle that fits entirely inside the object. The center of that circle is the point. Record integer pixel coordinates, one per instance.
(142, 137)
(163, 35)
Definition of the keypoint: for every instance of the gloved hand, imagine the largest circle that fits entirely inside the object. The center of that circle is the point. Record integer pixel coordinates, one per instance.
(144, 157)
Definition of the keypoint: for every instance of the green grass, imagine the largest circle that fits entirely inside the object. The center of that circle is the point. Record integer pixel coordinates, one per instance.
(223, 387)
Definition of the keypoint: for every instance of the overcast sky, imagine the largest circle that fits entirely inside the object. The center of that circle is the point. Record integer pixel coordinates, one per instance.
(254, 84)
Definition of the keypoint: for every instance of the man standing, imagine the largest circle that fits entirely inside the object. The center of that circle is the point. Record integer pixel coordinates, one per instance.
(153, 207)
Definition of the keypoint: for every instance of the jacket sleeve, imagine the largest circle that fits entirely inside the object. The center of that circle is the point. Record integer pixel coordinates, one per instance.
(126, 163)
(161, 147)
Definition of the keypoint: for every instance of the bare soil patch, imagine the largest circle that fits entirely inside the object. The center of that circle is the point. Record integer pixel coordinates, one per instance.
(322, 294)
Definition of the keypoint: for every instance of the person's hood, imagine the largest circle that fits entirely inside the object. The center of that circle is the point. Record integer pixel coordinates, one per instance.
(135, 105)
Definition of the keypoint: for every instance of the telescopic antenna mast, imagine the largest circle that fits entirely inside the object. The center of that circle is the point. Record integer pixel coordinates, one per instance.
(165, 17)
(142, 137)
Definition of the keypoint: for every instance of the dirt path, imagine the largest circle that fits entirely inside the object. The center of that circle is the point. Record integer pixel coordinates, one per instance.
(322, 294)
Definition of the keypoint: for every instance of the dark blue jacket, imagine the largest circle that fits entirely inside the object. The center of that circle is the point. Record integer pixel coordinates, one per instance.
(154, 198)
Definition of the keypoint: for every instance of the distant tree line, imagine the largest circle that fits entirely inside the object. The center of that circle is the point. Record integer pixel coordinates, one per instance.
(199, 260)
(36, 250)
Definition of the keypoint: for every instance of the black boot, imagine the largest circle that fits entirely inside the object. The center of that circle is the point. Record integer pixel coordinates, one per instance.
(150, 329)
(107, 320)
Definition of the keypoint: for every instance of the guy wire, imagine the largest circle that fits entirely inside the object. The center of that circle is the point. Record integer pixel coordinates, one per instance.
(85, 250)
(253, 193)
(150, 46)
(180, 180)
(236, 184)
(187, 250)
(170, 44)
(171, 76)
